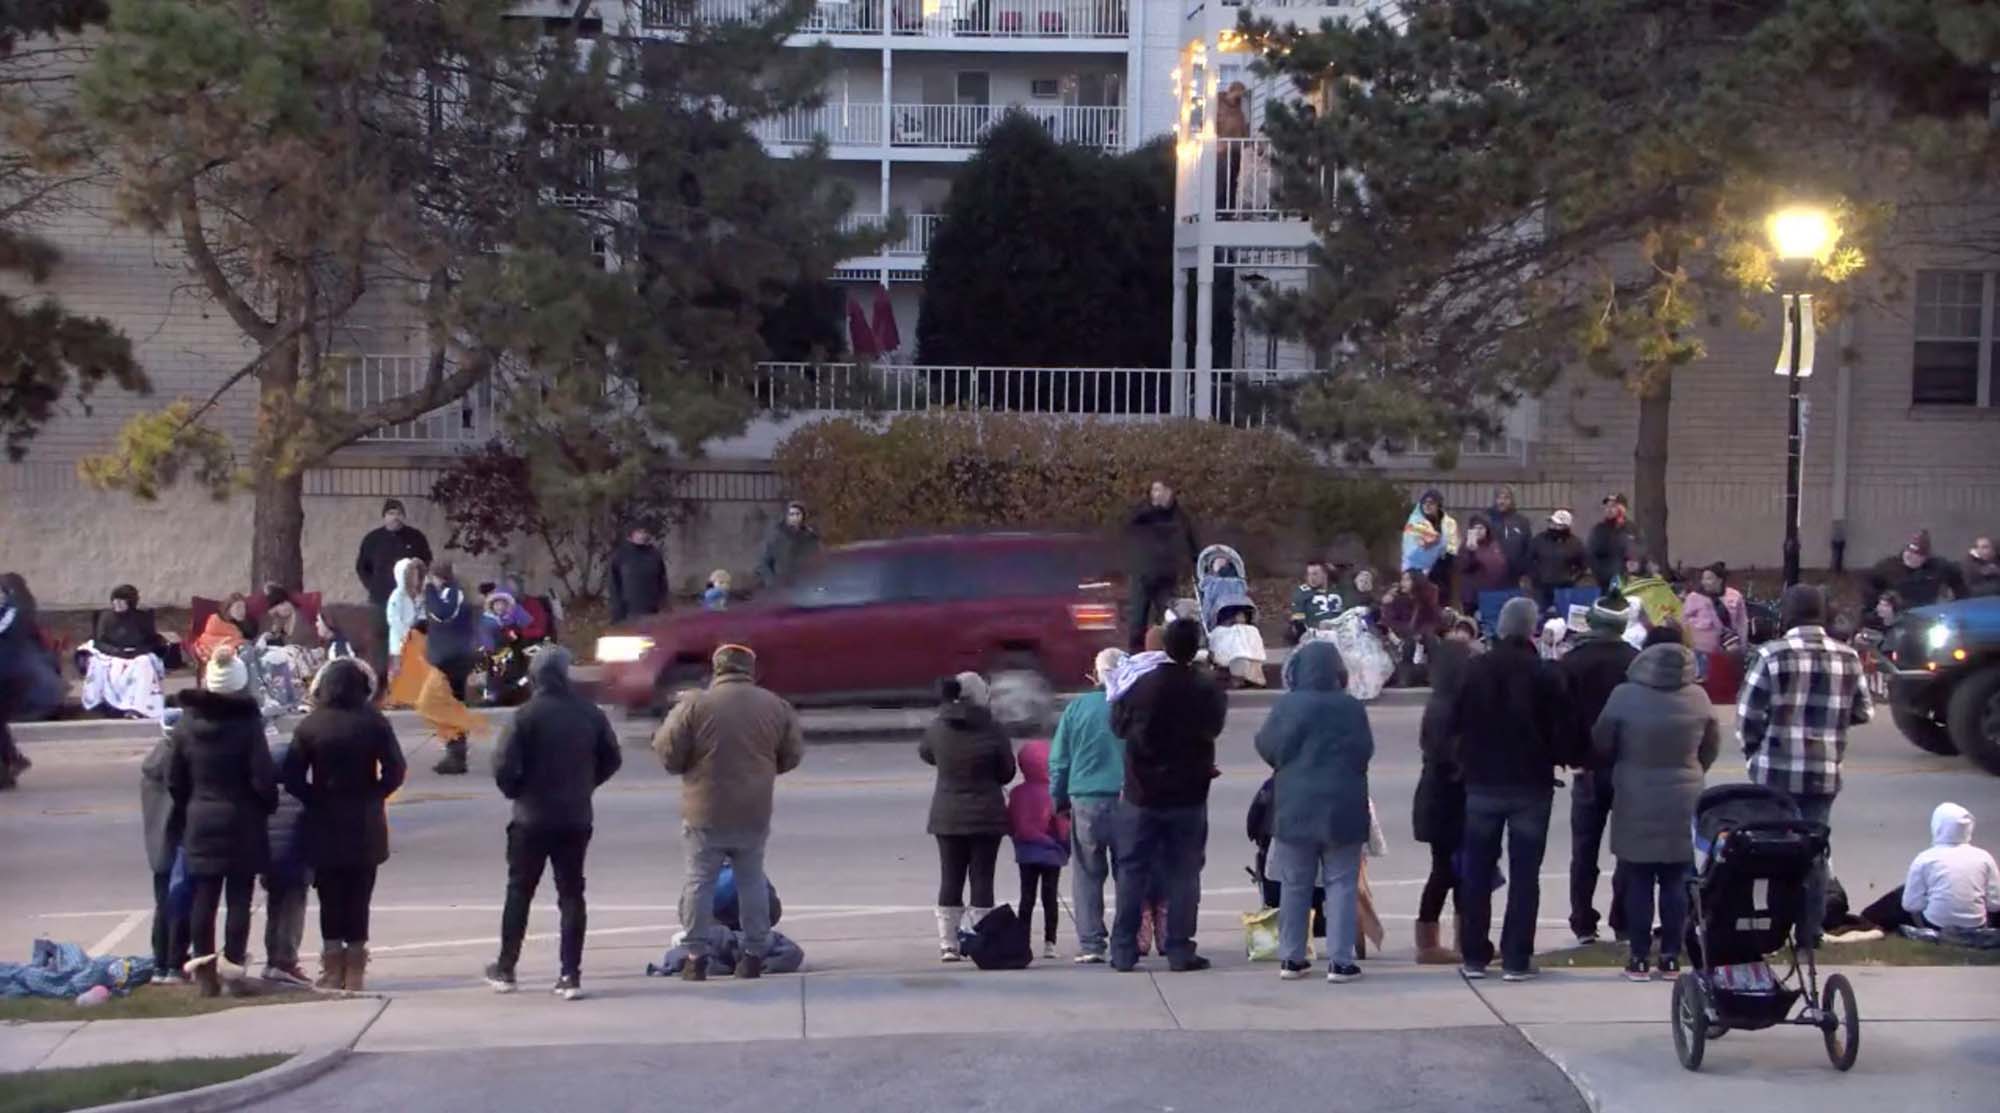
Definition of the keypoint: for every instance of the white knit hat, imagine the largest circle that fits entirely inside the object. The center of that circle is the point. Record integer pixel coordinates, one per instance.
(226, 673)
(972, 689)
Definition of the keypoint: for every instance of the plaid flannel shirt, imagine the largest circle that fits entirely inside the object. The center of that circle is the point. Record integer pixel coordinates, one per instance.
(1801, 694)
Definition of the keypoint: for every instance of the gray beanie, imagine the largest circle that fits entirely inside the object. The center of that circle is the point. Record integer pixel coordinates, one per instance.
(1518, 618)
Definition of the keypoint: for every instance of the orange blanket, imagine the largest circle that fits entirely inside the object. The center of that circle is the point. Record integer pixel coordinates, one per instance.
(411, 672)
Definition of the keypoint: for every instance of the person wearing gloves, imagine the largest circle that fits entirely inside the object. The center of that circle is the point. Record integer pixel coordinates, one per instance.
(968, 807)
(1952, 886)
(222, 779)
(1318, 744)
(1086, 773)
(1657, 736)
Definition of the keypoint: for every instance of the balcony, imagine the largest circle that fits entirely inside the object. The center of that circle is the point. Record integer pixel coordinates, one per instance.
(1238, 177)
(945, 19)
(949, 127)
(373, 379)
(915, 242)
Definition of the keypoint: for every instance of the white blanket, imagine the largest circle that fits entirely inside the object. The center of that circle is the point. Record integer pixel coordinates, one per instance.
(1369, 665)
(1240, 650)
(130, 684)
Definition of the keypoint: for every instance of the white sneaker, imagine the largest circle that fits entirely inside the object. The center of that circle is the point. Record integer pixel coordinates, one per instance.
(948, 954)
(1088, 959)
(1049, 952)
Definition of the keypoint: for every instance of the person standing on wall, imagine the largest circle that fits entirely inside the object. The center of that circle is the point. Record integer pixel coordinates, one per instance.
(1163, 546)
(388, 544)
(453, 650)
(638, 577)
(792, 542)
(1610, 540)
(1514, 532)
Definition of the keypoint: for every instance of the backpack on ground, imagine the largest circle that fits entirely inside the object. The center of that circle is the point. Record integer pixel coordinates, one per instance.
(998, 942)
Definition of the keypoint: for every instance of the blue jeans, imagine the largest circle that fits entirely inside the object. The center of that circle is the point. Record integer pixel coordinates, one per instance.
(1160, 852)
(1302, 866)
(1522, 816)
(1093, 830)
(1812, 914)
(1639, 880)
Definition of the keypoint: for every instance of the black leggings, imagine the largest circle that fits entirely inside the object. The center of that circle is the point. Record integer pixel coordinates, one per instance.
(1442, 882)
(210, 892)
(344, 895)
(1046, 877)
(966, 856)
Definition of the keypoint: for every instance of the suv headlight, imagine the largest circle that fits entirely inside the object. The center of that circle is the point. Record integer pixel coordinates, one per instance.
(622, 649)
(1937, 637)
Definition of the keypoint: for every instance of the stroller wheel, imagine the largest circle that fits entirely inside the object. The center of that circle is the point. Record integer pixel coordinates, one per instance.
(1690, 1016)
(1842, 1023)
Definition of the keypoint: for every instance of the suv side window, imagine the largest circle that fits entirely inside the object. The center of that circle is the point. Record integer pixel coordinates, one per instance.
(853, 582)
(1013, 573)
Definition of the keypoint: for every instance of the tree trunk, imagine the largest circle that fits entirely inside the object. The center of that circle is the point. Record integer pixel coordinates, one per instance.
(278, 525)
(1649, 465)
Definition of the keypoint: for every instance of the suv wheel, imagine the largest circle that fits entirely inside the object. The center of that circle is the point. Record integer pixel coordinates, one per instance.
(1974, 715)
(1022, 699)
(1924, 732)
(682, 676)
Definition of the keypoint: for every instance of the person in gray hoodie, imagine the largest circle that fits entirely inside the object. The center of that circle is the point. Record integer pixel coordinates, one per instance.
(1318, 744)
(1658, 737)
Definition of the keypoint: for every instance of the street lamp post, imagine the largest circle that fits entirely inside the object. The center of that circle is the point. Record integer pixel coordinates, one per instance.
(1801, 237)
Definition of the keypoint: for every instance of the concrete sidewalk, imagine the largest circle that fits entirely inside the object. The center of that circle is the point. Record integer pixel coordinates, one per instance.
(1930, 1036)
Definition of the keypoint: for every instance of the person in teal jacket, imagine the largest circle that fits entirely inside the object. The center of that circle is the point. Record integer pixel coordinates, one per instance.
(1086, 774)
(1317, 742)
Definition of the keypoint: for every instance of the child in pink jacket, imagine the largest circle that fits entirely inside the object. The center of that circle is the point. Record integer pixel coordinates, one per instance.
(1041, 840)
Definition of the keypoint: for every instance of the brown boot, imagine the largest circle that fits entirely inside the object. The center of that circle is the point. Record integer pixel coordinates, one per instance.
(207, 981)
(355, 973)
(1431, 952)
(332, 967)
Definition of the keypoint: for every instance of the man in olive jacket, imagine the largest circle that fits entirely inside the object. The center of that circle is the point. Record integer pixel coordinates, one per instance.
(729, 744)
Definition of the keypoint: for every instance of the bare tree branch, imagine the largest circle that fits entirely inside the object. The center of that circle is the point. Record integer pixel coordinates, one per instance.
(219, 286)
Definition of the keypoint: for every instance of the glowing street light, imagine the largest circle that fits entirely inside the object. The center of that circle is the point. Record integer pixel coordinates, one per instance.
(1801, 236)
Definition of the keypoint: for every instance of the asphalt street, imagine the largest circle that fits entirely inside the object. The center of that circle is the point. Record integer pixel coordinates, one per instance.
(848, 853)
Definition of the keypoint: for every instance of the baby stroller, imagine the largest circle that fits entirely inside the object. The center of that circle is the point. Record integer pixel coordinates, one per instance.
(1229, 614)
(1753, 853)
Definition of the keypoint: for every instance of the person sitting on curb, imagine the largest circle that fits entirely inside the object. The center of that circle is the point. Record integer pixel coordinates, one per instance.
(1952, 886)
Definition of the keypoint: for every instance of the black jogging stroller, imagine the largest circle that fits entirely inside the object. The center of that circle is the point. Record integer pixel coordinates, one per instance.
(1753, 852)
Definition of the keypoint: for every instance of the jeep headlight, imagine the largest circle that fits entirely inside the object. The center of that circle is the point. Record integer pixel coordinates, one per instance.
(623, 649)
(1937, 637)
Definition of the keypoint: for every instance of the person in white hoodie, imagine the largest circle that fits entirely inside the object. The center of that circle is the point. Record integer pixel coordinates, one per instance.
(1951, 885)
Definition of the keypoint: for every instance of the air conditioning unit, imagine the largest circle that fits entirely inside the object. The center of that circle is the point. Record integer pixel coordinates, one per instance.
(1045, 88)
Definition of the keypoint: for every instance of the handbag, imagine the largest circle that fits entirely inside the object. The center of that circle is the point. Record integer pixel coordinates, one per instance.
(998, 942)
(1260, 935)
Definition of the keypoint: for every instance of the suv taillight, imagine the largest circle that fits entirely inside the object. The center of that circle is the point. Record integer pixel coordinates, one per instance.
(1094, 616)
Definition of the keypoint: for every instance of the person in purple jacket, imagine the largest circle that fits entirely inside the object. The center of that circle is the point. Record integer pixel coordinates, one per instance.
(1041, 840)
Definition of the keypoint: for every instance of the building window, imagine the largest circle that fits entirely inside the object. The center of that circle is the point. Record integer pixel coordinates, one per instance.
(1955, 360)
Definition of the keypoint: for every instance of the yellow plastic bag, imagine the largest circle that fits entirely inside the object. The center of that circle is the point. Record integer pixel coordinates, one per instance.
(1260, 935)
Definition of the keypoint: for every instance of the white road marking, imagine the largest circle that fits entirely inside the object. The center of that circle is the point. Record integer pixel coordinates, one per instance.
(117, 935)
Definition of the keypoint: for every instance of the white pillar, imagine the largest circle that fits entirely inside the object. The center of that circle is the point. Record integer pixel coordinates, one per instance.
(1204, 336)
(1177, 401)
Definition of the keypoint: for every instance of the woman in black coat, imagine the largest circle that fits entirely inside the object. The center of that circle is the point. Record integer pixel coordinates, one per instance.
(968, 809)
(222, 779)
(344, 764)
(1438, 812)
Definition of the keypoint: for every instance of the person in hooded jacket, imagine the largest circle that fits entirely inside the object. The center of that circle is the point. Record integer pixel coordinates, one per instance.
(1514, 533)
(1041, 841)
(453, 650)
(345, 763)
(968, 807)
(30, 682)
(378, 566)
(1610, 539)
(1593, 670)
(790, 545)
(1161, 538)
(222, 779)
(1952, 886)
(1658, 736)
(557, 750)
(1437, 814)
(162, 824)
(1430, 540)
(638, 577)
(1318, 744)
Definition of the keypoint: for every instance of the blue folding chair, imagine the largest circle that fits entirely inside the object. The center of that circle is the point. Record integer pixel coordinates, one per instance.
(1490, 603)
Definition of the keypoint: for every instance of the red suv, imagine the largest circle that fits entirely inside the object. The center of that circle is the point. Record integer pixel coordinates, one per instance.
(880, 622)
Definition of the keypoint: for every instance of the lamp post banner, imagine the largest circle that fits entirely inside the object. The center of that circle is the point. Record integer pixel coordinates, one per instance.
(1801, 304)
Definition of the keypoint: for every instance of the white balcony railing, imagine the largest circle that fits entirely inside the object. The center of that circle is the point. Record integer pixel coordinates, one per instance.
(1238, 178)
(1108, 392)
(963, 126)
(373, 379)
(949, 19)
(915, 241)
(847, 123)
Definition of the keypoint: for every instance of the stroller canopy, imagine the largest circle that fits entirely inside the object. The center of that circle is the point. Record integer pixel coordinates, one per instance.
(1226, 591)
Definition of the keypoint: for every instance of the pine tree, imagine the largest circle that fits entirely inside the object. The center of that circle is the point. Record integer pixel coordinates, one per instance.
(570, 213)
(48, 355)
(1507, 188)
